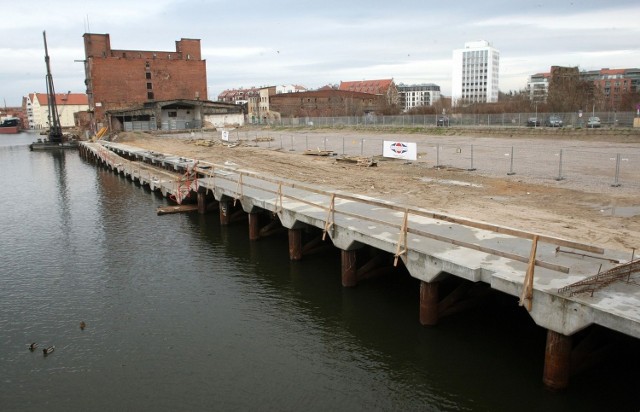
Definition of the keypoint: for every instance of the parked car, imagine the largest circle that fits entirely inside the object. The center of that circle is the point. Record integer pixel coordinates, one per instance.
(442, 121)
(554, 121)
(593, 121)
(533, 122)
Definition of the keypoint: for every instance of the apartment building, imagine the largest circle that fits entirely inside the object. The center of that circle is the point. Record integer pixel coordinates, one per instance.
(241, 95)
(416, 95)
(264, 113)
(538, 87)
(614, 84)
(290, 88)
(238, 96)
(37, 109)
(476, 73)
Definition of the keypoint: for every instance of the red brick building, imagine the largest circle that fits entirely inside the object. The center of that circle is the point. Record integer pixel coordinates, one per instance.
(118, 79)
(325, 103)
(619, 88)
(383, 87)
(616, 89)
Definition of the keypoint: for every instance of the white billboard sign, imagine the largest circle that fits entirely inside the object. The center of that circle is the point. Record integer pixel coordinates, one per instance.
(400, 150)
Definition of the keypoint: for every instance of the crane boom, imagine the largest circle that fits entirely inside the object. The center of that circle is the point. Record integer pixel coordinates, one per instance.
(55, 130)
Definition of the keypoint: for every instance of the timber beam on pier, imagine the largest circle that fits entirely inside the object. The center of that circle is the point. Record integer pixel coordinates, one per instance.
(431, 245)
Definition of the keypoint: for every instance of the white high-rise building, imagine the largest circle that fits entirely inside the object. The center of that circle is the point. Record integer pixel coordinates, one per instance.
(475, 73)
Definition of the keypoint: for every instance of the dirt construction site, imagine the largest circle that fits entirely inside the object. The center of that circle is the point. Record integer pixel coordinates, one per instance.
(583, 187)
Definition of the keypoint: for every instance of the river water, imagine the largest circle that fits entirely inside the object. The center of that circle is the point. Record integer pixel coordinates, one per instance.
(182, 314)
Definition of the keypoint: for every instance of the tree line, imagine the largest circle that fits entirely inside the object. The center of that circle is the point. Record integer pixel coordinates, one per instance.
(567, 92)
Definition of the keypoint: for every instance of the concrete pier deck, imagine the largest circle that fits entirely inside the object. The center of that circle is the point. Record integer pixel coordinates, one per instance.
(430, 244)
(566, 286)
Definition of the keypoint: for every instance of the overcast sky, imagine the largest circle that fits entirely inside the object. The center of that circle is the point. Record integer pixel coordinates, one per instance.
(314, 43)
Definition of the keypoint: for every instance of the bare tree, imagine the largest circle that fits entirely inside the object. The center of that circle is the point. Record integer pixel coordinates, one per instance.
(567, 91)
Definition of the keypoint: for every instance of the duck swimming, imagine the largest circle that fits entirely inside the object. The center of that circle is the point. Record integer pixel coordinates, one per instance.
(33, 346)
(48, 350)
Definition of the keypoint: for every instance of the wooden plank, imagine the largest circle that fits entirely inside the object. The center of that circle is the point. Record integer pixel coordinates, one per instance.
(357, 160)
(526, 299)
(318, 152)
(165, 210)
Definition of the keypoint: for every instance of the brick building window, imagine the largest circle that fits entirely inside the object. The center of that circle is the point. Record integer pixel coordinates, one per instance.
(150, 95)
(148, 75)
(149, 86)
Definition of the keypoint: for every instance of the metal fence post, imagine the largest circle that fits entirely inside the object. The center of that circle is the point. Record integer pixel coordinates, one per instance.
(560, 168)
(471, 168)
(361, 146)
(511, 172)
(281, 142)
(615, 180)
(438, 155)
(343, 145)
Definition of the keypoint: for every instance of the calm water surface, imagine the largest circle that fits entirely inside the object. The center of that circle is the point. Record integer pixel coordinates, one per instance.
(183, 314)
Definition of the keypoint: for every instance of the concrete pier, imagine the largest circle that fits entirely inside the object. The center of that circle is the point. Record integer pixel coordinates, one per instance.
(431, 245)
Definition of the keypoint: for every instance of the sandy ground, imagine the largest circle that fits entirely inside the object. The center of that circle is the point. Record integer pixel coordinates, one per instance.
(579, 214)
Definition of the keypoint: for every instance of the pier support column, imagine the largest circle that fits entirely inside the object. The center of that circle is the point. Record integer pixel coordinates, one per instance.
(254, 226)
(225, 212)
(202, 203)
(428, 303)
(295, 244)
(349, 268)
(557, 360)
